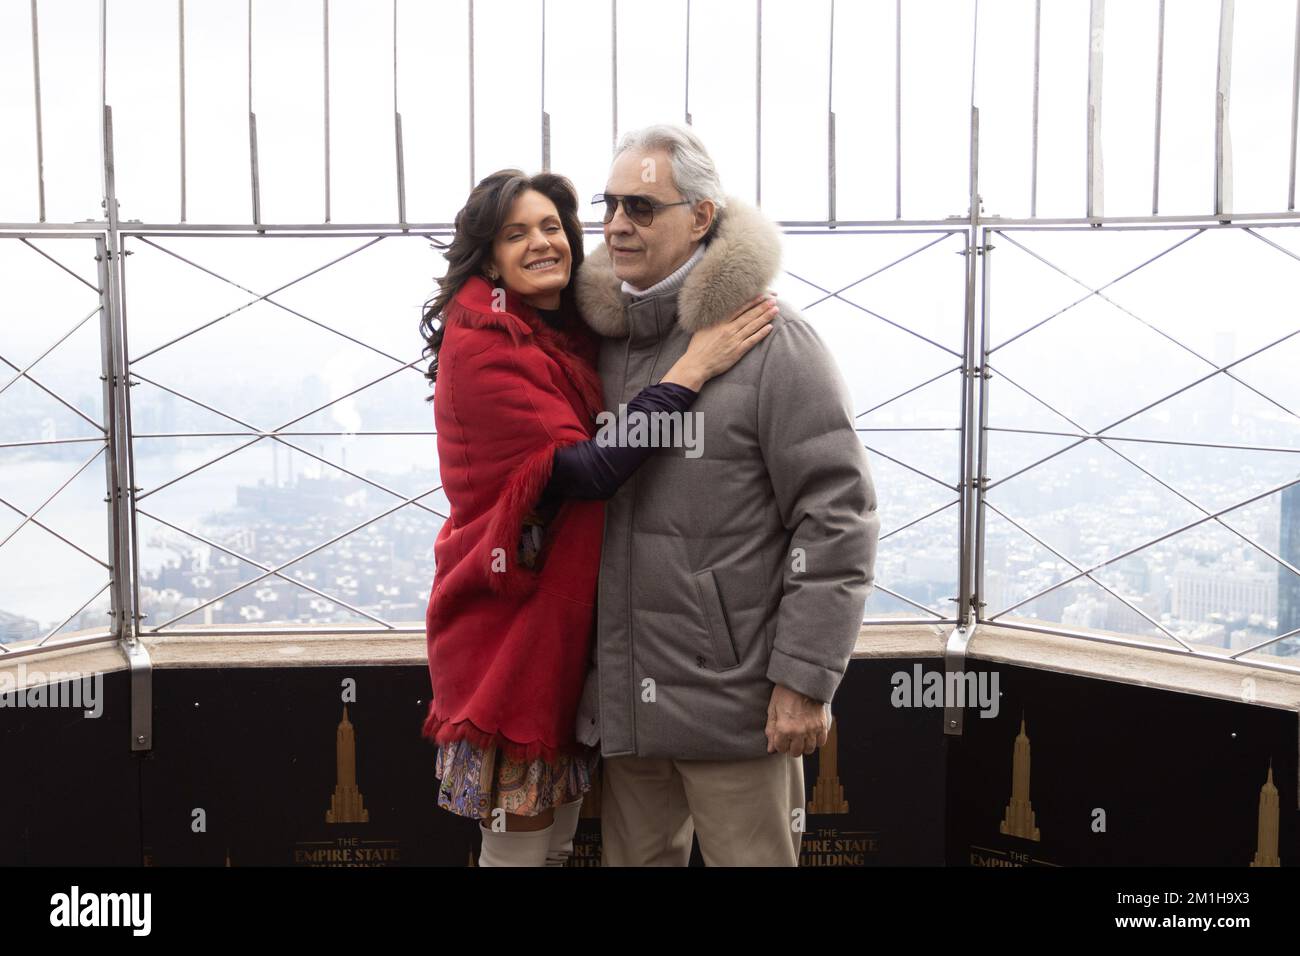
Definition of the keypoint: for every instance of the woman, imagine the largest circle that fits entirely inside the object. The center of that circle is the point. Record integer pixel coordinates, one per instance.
(511, 616)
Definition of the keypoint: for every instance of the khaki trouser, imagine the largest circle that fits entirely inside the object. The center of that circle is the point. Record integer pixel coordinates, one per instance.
(742, 811)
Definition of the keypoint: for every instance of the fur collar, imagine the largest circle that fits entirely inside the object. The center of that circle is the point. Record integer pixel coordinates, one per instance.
(574, 350)
(739, 262)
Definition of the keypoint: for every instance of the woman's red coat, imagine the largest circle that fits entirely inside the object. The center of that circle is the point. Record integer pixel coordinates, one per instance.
(509, 645)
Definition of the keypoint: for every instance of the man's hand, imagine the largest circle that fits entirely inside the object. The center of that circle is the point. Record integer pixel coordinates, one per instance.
(796, 724)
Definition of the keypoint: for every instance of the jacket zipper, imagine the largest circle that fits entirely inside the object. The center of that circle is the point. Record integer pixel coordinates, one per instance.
(631, 515)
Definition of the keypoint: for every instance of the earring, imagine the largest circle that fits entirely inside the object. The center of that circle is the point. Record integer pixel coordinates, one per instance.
(492, 274)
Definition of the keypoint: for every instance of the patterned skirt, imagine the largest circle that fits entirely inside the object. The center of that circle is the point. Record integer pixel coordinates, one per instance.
(477, 780)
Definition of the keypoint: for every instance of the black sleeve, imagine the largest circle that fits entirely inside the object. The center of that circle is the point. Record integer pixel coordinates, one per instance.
(590, 469)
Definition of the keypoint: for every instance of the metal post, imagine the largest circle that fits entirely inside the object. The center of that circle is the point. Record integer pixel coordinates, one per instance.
(126, 590)
(1222, 133)
(1160, 87)
(686, 94)
(954, 658)
(40, 147)
(180, 39)
(472, 181)
(830, 122)
(546, 117)
(1033, 154)
(325, 11)
(898, 109)
(1096, 34)
(758, 103)
(110, 375)
(981, 475)
(397, 133)
(1295, 103)
(127, 621)
(613, 74)
(252, 127)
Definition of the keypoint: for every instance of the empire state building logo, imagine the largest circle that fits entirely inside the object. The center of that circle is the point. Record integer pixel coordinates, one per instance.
(346, 804)
(1266, 844)
(1019, 818)
(828, 792)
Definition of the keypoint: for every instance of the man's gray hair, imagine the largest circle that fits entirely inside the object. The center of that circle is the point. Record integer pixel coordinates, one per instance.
(693, 171)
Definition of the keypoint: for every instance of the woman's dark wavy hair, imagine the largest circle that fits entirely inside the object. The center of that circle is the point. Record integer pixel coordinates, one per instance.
(478, 224)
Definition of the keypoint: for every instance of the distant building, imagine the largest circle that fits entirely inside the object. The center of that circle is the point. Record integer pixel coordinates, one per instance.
(13, 628)
(1205, 594)
(1288, 583)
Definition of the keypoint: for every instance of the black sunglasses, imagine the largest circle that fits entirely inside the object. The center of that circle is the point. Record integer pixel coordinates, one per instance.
(640, 209)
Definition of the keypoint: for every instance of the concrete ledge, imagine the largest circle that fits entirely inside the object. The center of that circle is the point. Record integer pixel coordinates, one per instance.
(1167, 670)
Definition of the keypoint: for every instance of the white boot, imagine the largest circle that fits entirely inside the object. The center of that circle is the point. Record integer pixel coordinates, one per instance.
(514, 847)
(565, 825)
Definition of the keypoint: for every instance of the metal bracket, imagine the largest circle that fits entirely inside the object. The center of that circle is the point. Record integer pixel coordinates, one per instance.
(954, 659)
(141, 668)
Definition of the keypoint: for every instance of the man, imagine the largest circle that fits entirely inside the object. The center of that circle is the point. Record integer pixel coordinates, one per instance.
(732, 581)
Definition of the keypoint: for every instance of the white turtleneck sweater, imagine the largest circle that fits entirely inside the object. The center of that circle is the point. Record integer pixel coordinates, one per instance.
(672, 282)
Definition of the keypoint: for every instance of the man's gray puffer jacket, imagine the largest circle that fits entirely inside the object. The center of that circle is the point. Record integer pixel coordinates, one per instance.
(748, 565)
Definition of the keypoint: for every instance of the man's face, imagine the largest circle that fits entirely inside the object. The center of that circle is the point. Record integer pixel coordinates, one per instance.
(644, 255)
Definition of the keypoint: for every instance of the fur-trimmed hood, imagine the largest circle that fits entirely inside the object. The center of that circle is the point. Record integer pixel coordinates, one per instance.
(739, 262)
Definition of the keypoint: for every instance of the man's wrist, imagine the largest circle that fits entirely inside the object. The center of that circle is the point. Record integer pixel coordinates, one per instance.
(803, 698)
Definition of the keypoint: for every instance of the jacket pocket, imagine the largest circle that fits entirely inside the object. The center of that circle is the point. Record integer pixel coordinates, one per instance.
(715, 618)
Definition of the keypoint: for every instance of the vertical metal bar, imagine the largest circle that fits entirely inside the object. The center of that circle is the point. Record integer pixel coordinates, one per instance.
(954, 655)
(1222, 134)
(125, 548)
(830, 122)
(1160, 89)
(970, 434)
(1295, 105)
(1096, 35)
(110, 297)
(981, 468)
(471, 95)
(397, 133)
(686, 105)
(546, 118)
(325, 9)
(126, 434)
(898, 109)
(40, 145)
(1033, 155)
(117, 593)
(252, 127)
(105, 167)
(758, 102)
(613, 73)
(180, 39)
(967, 385)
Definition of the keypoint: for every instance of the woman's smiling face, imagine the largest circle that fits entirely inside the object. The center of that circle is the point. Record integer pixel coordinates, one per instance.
(531, 252)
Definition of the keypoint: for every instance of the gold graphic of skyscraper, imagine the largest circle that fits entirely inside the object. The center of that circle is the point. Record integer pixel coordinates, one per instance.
(1266, 843)
(828, 794)
(1019, 819)
(346, 804)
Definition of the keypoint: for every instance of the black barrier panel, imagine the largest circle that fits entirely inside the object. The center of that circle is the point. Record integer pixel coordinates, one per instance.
(1080, 772)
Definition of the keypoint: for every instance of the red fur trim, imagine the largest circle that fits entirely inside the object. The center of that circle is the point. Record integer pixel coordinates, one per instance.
(565, 350)
(574, 351)
(458, 312)
(520, 496)
(440, 731)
